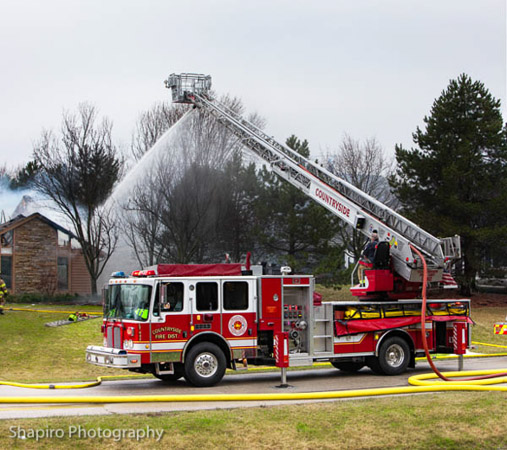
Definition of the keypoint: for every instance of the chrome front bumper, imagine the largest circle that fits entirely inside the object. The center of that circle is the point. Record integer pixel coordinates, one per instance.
(112, 357)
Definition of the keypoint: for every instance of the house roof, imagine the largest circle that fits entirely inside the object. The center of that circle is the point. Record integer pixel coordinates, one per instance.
(21, 219)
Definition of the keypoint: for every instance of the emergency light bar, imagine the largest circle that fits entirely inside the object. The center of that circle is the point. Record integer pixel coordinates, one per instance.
(143, 273)
(119, 274)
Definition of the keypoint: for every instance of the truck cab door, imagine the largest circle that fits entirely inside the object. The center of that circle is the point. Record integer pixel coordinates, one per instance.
(239, 325)
(206, 308)
(171, 321)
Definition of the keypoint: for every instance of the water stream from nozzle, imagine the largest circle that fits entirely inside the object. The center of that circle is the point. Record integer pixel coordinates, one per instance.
(118, 201)
(142, 168)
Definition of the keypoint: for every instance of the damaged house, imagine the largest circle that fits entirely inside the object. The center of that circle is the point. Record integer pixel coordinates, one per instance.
(39, 256)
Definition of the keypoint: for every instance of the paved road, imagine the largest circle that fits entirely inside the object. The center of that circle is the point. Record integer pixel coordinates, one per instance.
(300, 381)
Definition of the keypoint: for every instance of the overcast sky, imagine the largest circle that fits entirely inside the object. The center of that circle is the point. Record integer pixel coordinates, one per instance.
(317, 69)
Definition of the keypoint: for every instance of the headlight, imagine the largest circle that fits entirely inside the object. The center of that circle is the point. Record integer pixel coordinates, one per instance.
(128, 344)
(104, 342)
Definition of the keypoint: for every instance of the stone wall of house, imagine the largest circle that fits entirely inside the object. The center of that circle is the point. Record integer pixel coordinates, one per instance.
(34, 265)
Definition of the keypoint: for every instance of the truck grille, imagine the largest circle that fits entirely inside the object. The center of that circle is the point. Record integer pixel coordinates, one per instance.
(113, 337)
(117, 337)
(109, 337)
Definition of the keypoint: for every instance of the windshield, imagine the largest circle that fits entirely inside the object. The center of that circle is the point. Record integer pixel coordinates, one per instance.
(127, 301)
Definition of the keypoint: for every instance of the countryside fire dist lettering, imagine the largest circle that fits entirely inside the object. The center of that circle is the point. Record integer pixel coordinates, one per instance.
(166, 333)
(162, 329)
(341, 208)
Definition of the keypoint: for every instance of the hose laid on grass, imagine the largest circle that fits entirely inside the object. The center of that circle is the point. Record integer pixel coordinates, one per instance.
(489, 345)
(89, 384)
(57, 311)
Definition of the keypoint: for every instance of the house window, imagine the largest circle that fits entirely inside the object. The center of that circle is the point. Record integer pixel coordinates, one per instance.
(7, 270)
(6, 242)
(63, 273)
(63, 239)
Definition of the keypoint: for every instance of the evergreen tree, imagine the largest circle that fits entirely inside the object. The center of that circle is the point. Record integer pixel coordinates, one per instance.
(455, 182)
(239, 187)
(293, 227)
(25, 176)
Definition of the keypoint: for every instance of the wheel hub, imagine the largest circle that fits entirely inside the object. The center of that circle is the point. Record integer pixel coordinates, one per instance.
(206, 364)
(395, 355)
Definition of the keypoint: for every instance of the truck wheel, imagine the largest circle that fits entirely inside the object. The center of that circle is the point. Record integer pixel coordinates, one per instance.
(178, 373)
(205, 365)
(348, 366)
(393, 357)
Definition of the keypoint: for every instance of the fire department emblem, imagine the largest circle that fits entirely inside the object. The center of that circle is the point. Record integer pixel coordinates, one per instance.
(237, 325)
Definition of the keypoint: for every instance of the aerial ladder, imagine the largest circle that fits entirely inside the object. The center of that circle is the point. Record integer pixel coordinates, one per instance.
(356, 208)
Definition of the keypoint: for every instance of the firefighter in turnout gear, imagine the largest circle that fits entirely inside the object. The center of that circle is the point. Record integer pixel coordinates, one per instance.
(366, 261)
(141, 313)
(3, 293)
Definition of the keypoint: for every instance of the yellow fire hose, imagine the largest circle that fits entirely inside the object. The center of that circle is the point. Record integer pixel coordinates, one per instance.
(252, 369)
(421, 380)
(489, 345)
(419, 384)
(437, 387)
(56, 311)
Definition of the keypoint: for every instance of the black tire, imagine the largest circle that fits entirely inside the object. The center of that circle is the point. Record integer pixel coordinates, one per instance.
(393, 357)
(348, 366)
(178, 373)
(373, 364)
(205, 365)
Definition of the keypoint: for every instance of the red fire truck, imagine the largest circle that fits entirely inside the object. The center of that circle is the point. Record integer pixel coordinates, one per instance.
(197, 320)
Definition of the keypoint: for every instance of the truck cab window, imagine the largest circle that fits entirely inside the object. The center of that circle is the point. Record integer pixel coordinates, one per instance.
(207, 296)
(173, 300)
(235, 295)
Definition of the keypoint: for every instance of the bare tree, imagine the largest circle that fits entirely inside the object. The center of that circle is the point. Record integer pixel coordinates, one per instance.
(364, 165)
(206, 141)
(152, 124)
(142, 226)
(78, 171)
(190, 214)
(141, 222)
(174, 209)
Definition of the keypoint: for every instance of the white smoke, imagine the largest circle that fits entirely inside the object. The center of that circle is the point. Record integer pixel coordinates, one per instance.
(14, 202)
(9, 199)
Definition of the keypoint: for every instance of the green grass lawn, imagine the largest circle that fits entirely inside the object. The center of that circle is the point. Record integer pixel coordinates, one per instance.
(32, 352)
(448, 420)
(485, 318)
